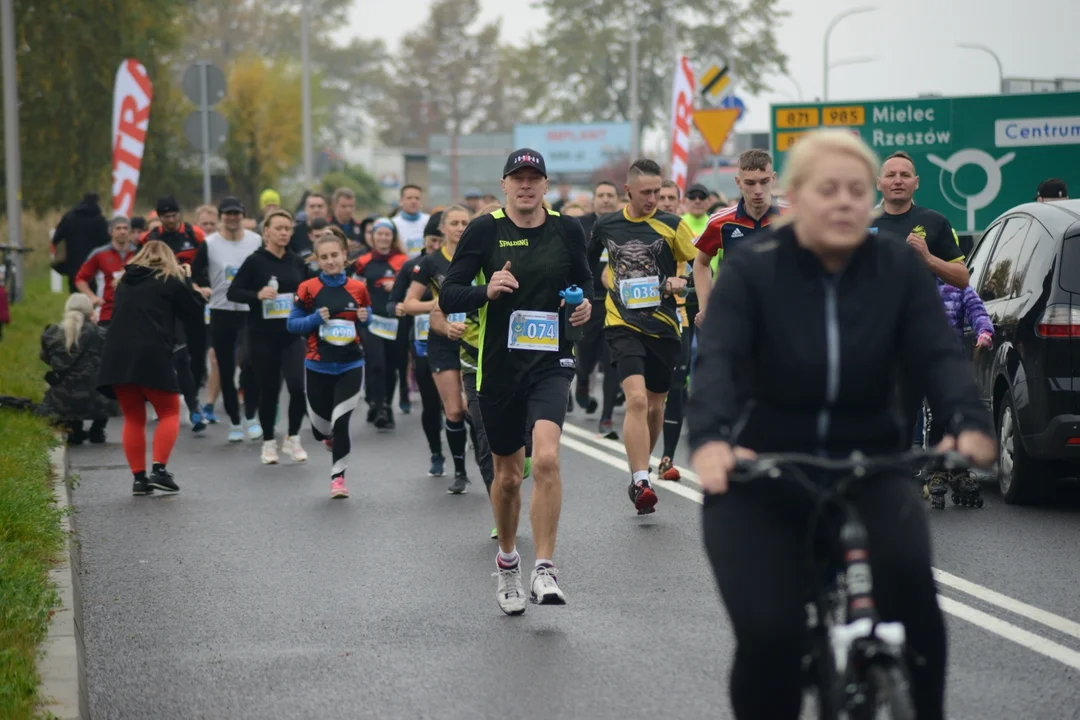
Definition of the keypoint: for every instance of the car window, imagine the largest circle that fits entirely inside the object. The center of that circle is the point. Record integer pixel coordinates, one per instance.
(1070, 262)
(981, 253)
(997, 283)
(1035, 260)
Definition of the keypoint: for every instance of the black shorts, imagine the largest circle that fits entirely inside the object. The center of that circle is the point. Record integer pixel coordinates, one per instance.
(634, 353)
(442, 354)
(507, 415)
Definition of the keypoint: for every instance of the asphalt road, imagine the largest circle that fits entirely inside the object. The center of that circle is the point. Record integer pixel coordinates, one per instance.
(252, 595)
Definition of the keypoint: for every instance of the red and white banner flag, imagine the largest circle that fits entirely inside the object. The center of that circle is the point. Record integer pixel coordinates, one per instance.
(682, 113)
(131, 118)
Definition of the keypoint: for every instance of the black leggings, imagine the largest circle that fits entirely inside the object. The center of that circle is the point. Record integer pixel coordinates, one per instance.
(677, 396)
(431, 416)
(382, 359)
(755, 536)
(227, 331)
(188, 388)
(331, 400)
(401, 359)
(275, 356)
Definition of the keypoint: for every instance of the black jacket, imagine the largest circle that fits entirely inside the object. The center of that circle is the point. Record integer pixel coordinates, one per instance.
(82, 229)
(139, 344)
(254, 274)
(791, 359)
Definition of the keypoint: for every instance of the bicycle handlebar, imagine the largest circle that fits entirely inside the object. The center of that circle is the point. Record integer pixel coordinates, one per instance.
(857, 464)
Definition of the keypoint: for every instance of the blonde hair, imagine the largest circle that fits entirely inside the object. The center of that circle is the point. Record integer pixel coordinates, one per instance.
(277, 213)
(156, 255)
(453, 208)
(806, 153)
(207, 210)
(77, 310)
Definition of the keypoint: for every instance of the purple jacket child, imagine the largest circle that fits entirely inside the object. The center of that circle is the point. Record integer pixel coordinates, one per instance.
(965, 307)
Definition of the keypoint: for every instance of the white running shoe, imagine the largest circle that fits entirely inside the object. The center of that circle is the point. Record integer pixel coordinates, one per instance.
(511, 593)
(269, 453)
(545, 590)
(291, 448)
(254, 430)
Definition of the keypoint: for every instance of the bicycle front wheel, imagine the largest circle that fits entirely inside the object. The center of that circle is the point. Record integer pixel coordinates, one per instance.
(890, 693)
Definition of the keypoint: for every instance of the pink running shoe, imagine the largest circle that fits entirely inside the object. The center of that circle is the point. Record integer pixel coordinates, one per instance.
(329, 443)
(338, 489)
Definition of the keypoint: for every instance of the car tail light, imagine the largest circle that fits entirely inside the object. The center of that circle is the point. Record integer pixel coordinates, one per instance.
(1059, 321)
(1073, 441)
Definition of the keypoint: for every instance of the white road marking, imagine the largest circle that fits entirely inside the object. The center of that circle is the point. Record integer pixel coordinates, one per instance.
(990, 623)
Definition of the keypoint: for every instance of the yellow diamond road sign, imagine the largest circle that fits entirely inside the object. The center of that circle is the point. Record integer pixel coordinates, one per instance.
(715, 81)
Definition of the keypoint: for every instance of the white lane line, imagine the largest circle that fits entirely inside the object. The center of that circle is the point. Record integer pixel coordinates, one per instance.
(1020, 636)
(995, 625)
(1049, 619)
(617, 446)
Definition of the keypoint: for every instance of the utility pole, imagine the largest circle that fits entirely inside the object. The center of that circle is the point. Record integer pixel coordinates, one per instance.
(635, 110)
(12, 161)
(305, 91)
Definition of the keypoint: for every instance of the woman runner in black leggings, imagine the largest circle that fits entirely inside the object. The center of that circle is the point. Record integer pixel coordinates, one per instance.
(266, 282)
(431, 415)
(329, 310)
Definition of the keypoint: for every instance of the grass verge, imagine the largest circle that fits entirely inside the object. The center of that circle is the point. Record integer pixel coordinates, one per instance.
(30, 535)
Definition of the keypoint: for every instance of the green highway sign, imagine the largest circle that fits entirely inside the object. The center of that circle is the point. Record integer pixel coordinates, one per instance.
(976, 156)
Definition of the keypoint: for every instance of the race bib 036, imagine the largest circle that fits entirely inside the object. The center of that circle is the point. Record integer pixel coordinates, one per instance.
(640, 293)
(455, 317)
(532, 330)
(338, 332)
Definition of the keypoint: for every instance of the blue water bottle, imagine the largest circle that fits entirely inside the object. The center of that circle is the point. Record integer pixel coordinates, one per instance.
(573, 297)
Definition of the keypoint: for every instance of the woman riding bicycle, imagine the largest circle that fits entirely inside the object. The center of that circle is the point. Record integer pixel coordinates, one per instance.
(804, 339)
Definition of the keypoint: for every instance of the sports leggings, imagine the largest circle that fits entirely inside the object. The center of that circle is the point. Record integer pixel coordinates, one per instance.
(677, 396)
(227, 331)
(277, 355)
(132, 399)
(331, 400)
(405, 333)
(431, 416)
(188, 387)
(382, 359)
(756, 540)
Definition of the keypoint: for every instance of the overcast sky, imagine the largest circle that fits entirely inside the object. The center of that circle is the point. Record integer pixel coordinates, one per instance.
(914, 43)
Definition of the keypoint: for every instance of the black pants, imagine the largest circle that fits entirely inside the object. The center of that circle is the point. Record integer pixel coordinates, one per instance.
(228, 331)
(382, 361)
(674, 408)
(331, 400)
(480, 442)
(431, 416)
(188, 388)
(401, 359)
(591, 351)
(276, 356)
(756, 535)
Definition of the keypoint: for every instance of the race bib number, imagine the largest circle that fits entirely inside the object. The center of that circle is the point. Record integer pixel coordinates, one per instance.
(531, 330)
(422, 327)
(385, 328)
(604, 256)
(230, 273)
(640, 293)
(338, 332)
(414, 245)
(206, 314)
(455, 317)
(278, 308)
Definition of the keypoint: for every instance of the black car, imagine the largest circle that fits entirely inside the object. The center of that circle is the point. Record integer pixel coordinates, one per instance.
(1026, 269)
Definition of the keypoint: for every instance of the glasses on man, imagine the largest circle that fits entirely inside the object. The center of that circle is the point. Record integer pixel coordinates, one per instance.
(696, 196)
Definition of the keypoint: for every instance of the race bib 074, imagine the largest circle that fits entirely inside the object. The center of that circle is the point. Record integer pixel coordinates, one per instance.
(422, 327)
(639, 293)
(338, 332)
(532, 330)
(278, 308)
(383, 327)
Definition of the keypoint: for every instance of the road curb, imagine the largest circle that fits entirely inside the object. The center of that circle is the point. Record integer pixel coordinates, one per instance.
(62, 670)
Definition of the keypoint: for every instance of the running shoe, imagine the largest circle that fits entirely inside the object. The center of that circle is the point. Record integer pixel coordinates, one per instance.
(291, 448)
(545, 588)
(390, 424)
(141, 486)
(382, 419)
(208, 414)
(372, 413)
(337, 488)
(587, 403)
(643, 497)
(269, 452)
(528, 469)
(197, 424)
(405, 406)
(668, 471)
(96, 436)
(329, 444)
(438, 466)
(495, 533)
(606, 429)
(236, 433)
(254, 430)
(162, 479)
(460, 485)
(510, 593)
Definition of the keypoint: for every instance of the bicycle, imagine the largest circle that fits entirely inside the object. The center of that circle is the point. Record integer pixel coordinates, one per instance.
(8, 279)
(854, 662)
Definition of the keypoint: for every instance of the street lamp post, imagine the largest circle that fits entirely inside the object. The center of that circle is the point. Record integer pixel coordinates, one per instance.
(305, 92)
(991, 53)
(635, 110)
(828, 32)
(12, 162)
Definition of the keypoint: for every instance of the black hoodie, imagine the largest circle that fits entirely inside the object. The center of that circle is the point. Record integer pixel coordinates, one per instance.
(142, 333)
(82, 229)
(254, 274)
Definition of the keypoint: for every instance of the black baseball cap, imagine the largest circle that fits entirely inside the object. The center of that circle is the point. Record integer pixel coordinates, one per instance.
(167, 205)
(433, 223)
(697, 188)
(1052, 189)
(231, 205)
(525, 158)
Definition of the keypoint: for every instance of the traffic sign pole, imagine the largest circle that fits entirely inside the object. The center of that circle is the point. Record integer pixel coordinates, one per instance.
(204, 109)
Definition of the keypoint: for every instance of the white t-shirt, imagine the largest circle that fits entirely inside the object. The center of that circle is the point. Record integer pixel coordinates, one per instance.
(411, 232)
(225, 257)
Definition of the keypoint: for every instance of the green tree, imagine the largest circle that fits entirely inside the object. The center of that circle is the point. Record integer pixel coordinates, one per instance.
(576, 70)
(357, 179)
(67, 54)
(444, 78)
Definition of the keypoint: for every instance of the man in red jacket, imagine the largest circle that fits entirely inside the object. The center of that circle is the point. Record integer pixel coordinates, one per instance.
(106, 264)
